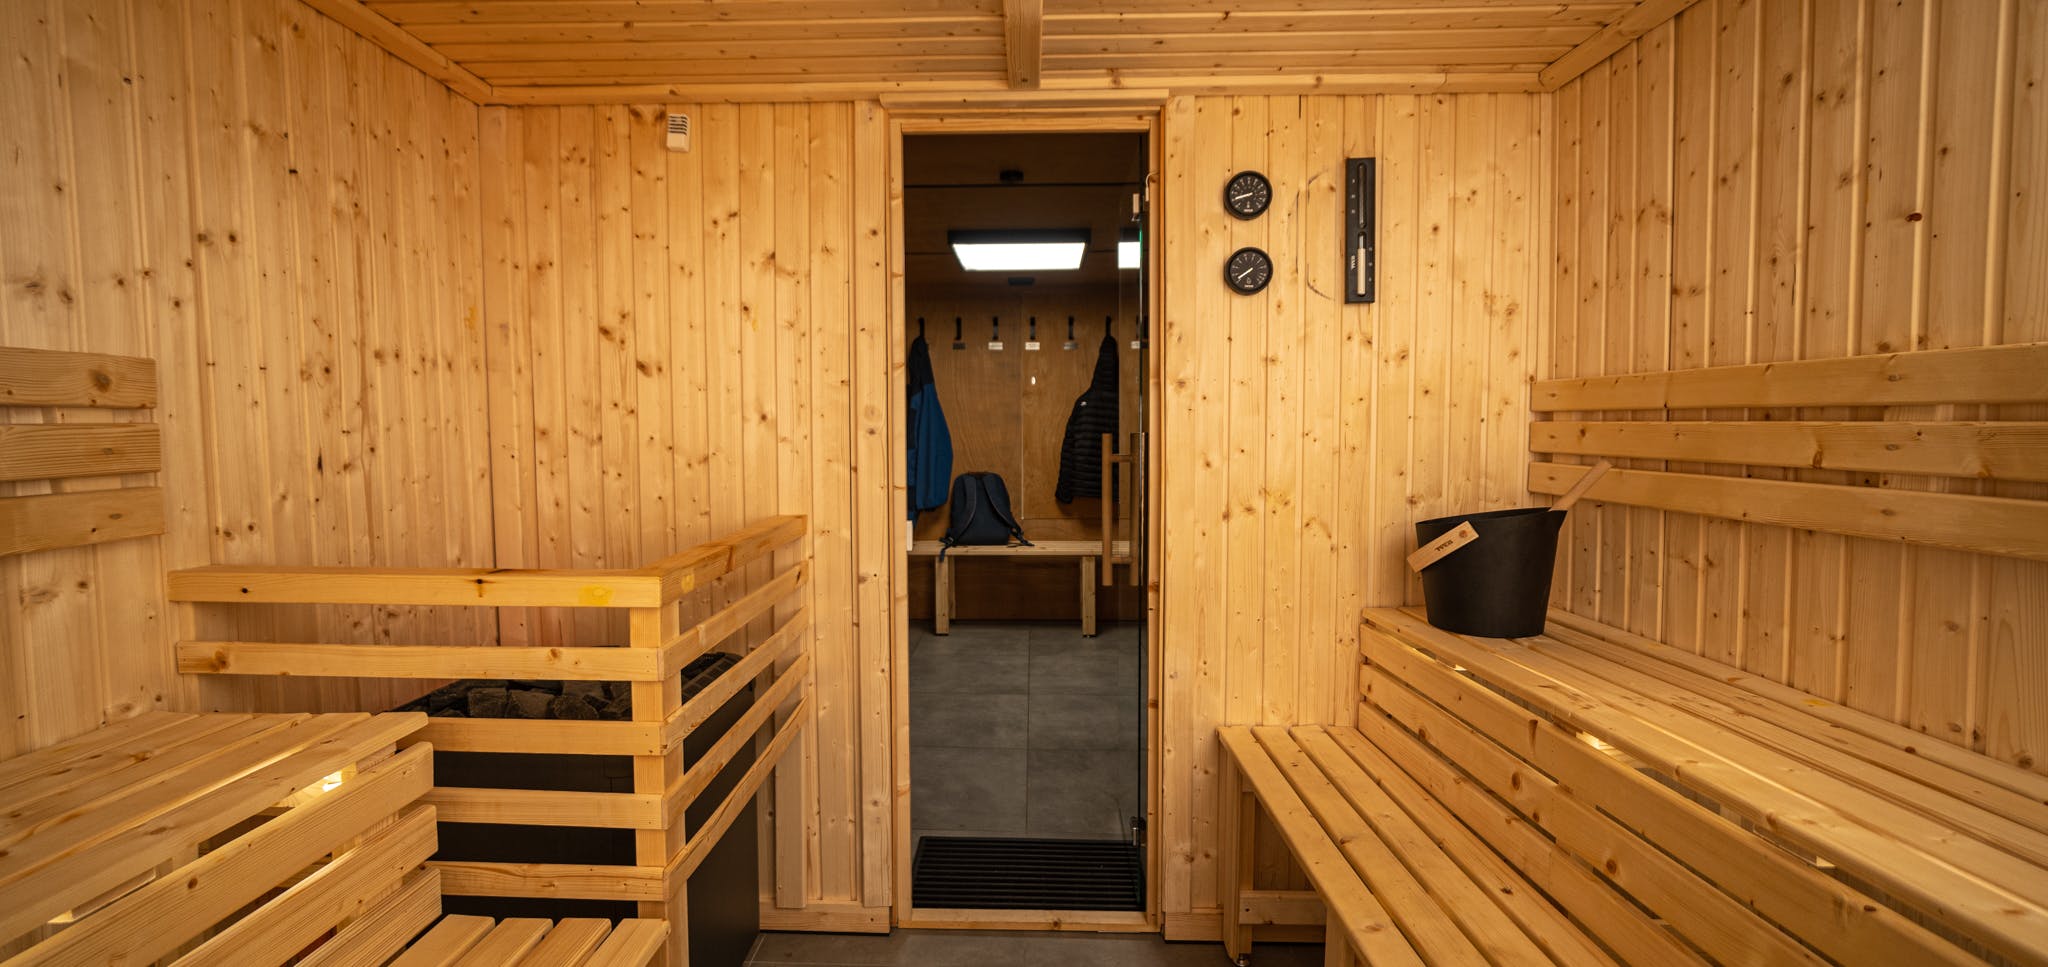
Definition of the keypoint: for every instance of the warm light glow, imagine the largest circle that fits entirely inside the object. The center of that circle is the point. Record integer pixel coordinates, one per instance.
(332, 780)
(1034, 250)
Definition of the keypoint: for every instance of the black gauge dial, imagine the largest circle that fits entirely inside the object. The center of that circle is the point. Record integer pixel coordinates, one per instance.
(1248, 270)
(1247, 195)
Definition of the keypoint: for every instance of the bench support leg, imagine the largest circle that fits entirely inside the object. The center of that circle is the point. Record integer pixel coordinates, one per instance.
(942, 596)
(1336, 946)
(1236, 828)
(1087, 597)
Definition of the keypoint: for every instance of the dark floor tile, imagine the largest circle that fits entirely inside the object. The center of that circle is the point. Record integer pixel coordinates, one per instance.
(1062, 720)
(987, 663)
(1082, 794)
(978, 789)
(966, 720)
(1082, 666)
(952, 948)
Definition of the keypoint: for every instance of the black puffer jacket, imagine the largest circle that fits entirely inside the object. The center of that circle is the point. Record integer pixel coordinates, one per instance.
(1094, 415)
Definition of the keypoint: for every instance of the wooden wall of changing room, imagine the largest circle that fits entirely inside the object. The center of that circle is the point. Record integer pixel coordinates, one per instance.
(285, 220)
(1767, 180)
(1303, 437)
(1007, 411)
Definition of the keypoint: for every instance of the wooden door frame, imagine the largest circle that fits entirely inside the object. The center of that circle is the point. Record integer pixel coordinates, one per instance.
(1145, 118)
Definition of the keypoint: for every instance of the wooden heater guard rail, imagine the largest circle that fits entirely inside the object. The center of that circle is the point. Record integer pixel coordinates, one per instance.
(2015, 450)
(657, 650)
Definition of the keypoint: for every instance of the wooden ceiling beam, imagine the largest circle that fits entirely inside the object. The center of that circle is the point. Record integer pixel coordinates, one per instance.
(1024, 41)
(1418, 82)
(1639, 20)
(404, 46)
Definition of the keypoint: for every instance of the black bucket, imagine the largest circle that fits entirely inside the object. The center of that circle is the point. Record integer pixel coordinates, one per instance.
(1499, 585)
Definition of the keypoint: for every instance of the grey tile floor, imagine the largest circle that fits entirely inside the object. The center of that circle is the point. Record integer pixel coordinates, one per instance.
(957, 948)
(1026, 729)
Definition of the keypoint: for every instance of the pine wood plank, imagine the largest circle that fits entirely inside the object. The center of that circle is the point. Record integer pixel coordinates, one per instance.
(2008, 451)
(414, 661)
(1993, 525)
(32, 452)
(1366, 922)
(54, 521)
(47, 377)
(483, 587)
(1994, 374)
(546, 807)
(510, 940)
(569, 881)
(383, 930)
(633, 943)
(717, 825)
(570, 942)
(446, 943)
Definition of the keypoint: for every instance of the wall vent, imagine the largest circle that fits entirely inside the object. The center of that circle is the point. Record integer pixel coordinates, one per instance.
(679, 132)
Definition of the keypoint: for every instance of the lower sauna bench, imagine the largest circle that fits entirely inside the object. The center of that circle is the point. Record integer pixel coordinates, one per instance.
(251, 840)
(1591, 796)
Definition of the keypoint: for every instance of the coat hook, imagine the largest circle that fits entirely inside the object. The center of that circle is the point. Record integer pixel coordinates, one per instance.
(920, 327)
(1031, 340)
(1070, 343)
(959, 335)
(995, 333)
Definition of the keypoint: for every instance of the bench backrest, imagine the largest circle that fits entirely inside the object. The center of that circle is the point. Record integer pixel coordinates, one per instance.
(1640, 424)
(36, 379)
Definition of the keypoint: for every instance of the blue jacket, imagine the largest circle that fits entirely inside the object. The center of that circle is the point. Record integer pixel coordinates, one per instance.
(931, 444)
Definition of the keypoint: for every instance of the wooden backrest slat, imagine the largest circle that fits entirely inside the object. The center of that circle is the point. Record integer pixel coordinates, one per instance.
(1992, 525)
(51, 521)
(54, 451)
(48, 377)
(1993, 374)
(1985, 451)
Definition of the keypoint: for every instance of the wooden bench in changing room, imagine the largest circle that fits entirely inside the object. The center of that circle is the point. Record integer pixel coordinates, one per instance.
(250, 840)
(1592, 797)
(1089, 553)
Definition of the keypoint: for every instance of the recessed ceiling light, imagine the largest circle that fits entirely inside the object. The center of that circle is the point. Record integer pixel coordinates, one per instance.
(1019, 250)
(1128, 255)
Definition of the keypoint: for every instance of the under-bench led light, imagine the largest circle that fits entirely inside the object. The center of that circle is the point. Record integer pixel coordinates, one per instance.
(1019, 250)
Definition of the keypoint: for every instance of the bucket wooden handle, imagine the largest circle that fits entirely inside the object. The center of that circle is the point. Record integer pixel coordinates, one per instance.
(1442, 547)
(1585, 483)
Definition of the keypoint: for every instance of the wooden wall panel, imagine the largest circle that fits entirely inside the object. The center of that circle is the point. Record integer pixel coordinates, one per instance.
(1304, 437)
(1818, 179)
(673, 352)
(282, 215)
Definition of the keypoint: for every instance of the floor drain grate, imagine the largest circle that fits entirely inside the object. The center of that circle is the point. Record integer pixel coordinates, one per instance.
(986, 873)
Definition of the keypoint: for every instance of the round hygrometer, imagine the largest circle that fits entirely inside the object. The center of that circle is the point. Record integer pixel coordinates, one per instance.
(1247, 195)
(1248, 270)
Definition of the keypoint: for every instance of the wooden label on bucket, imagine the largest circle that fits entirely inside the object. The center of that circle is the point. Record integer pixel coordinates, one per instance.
(1440, 548)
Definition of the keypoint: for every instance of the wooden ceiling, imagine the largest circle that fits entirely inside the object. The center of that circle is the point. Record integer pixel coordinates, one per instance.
(561, 51)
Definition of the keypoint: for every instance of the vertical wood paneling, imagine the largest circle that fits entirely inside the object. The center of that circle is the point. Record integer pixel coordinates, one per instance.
(1304, 437)
(240, 217)
(685, 350)
(1850, 177)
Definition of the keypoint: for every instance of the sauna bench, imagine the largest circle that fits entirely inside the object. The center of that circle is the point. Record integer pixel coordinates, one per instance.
(1760, 823)
(1089, 553)
(127, 842)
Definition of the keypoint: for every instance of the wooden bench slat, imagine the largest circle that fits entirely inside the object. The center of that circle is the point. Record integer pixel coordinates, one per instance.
(1829, 915)
(101, 744)
(1428, 926)
(2001, 451)
(1725, 707)
(145, 925)
(1725, 926)
(1371, 931)
(1500, 883)
(632, 944)
(568, 943)
(49, 874)
(82, 782)
(446, 943)
(1830, 717)
(316, 660)
(383, 930)
(1990, 374)
(1598, 908)
(344, 888)
(1458, 897)
(1981, 891)
(510, 940)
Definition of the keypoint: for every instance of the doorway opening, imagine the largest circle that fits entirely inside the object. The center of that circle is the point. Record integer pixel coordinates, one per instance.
(1027, 323)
